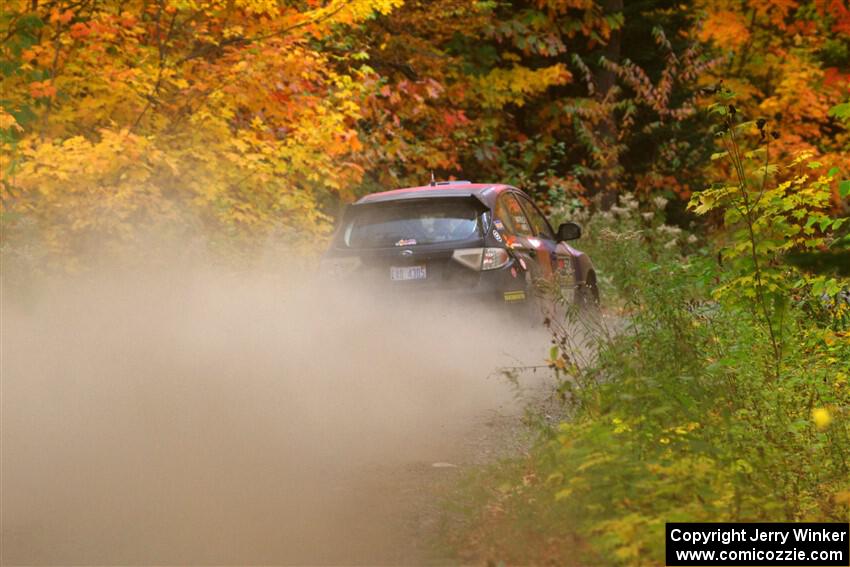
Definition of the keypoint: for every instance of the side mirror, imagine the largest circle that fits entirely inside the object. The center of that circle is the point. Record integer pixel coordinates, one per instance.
(569, 231)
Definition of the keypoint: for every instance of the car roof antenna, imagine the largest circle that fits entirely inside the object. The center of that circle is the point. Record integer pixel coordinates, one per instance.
(433, 181)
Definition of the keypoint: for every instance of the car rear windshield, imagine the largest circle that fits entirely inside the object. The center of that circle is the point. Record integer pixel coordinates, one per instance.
(408, 223)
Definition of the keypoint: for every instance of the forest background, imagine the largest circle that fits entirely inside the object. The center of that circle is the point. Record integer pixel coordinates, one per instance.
(250, 120)
(704, 146)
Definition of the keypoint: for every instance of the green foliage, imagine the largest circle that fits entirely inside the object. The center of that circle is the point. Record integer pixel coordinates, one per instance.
(841, 111)
(770, 211)
(681, 416)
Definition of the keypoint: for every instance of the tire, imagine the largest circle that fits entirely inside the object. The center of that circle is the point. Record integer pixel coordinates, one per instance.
(587, 300)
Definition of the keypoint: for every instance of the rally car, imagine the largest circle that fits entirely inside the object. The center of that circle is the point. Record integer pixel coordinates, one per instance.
(482, 239)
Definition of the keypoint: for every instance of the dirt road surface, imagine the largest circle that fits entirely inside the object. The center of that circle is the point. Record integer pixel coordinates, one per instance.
(201, 419)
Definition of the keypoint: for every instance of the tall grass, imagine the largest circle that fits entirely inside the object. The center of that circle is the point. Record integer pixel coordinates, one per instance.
(679, 416)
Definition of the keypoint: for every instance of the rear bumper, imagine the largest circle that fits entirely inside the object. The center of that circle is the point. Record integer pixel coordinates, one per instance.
(503, 285)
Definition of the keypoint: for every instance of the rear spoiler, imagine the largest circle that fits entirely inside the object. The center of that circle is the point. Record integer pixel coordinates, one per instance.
(413, 195)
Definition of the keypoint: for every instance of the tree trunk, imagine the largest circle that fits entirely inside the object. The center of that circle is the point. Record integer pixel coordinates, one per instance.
(606, 184)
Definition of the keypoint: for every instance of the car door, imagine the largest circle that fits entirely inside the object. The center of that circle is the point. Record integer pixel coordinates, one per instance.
(544, 242)
(561, 256)
(521, 236)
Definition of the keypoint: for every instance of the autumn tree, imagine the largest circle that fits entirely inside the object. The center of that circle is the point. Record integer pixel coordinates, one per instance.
(245, 120)
(227, 115)
(789, 65)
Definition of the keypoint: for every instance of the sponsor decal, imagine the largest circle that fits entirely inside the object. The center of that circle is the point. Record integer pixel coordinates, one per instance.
(514, 296)
(406, 242)
(498, 224)
(497, 236)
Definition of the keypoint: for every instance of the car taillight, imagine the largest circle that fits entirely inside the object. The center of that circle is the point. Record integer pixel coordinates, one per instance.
(482, 258)
(494, 258)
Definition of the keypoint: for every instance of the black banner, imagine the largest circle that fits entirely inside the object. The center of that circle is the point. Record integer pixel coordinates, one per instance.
(761, 544)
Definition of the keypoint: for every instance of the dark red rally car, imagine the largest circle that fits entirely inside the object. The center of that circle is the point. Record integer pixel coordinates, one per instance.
(484, 239)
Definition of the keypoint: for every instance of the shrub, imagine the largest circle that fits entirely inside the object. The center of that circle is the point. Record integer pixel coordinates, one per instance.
(716, 395)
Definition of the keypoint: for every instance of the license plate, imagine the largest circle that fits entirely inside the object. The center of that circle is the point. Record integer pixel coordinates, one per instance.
(398, 273)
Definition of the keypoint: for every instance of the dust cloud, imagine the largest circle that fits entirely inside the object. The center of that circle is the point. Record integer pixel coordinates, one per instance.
(193, 416)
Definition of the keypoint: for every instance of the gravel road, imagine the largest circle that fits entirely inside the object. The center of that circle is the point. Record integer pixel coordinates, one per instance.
(195, 418)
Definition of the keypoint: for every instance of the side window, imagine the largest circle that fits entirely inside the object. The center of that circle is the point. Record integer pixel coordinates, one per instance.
(512, 216)
(538, 221)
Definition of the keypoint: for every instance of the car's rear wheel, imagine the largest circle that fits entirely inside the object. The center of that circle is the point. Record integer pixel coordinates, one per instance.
(587, 302)
(587, 296)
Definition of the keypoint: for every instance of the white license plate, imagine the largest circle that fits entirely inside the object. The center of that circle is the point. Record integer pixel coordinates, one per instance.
(398, 273)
